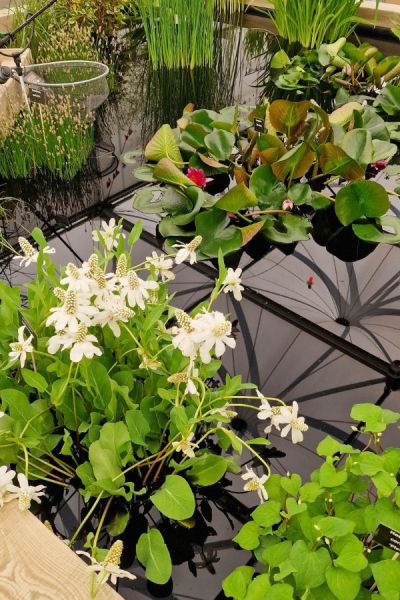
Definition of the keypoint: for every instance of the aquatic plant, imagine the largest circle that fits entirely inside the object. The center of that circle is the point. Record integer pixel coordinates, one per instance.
(109, 389)
(313, 22)
(336, 536)
(181, 33)
(55, 138)
(256, 159)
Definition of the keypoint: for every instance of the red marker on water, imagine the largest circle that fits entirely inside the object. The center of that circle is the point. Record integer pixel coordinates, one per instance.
(310, 281)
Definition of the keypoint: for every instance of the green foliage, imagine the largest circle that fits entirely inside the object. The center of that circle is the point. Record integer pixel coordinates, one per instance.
(300, 141)
(317, 538)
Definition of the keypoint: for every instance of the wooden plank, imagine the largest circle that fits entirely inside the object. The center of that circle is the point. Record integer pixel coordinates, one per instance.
(388, 11)
(36, 565)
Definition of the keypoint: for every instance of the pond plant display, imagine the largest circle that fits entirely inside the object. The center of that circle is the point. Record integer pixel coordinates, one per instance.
(302, 172)
(106, 387)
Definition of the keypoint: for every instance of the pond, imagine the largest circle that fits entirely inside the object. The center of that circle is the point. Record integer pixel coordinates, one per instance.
(326, 342)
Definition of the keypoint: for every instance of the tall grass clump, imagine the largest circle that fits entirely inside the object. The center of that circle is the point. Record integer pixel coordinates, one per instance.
(55, 139)
(313, 22)
(180, 33)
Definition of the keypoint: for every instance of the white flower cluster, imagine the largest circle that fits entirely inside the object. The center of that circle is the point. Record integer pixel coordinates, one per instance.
(203, 334)
(24, 492)
(283, 415)
(29, 253)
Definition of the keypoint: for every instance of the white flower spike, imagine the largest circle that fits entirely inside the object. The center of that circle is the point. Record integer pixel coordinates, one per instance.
(109, 567)
(162, 266)
(6, 478)
(30, 254)
(255, 484)
(21, 348)
(187, 251)
(26, 493)
(233, 283)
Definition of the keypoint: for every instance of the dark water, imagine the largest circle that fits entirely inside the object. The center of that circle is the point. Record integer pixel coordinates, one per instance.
(327, 347)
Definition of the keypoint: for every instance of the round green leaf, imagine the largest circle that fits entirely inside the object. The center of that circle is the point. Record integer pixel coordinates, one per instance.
(269, 191)
(361, 199)
(248, 536)
(175, 498)
(342, 583)
(207, 469)
(153, 553)
(219, 143)
(163, 145)
(286, 229)
(148, 200)
(375, 233)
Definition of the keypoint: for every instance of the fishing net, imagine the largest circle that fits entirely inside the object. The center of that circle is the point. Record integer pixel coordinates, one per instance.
(81, 83)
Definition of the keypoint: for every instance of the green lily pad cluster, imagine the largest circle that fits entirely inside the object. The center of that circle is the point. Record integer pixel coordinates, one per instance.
(316, 539)
(298, 152)
(357, 69)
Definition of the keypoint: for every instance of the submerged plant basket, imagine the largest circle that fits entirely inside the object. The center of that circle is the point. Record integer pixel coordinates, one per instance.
(80, 82)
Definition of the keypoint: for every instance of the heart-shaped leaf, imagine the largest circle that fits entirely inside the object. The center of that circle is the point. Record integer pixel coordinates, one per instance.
(286, 117)
(219, 143)
(217, 233)
(286, 229)
(237, 198)
(270, 192)
(376, 234)
(163, 145)
(359, 199)
(175, 498)
(295, 163)
(333, 160)
(168, 172)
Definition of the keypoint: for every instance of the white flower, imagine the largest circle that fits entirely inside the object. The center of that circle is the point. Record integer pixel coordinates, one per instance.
(266, 411)
(75, 308)
(6, 478)
(147, 361)
(183, 336)
(135, 290)
(255, 484)
(77, 279)
(26, 493)
(112, 313)
(224, 411)
(184, 377)
(232, 283)
(288, 416)
(162, 266)
(110, 234)
(187, 251)
(186, 446)
(109, 567)
(78, 340)
(2, 414)
(20, 349)
(30, 254)
(212, 330)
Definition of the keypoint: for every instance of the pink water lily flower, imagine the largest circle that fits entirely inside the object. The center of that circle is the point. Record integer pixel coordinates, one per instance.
(197, 176)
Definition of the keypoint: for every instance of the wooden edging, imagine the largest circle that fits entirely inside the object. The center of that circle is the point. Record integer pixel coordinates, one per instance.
(34, 563)
(387, 15)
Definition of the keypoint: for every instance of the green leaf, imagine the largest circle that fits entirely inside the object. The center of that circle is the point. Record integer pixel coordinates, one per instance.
(376, 233)
(207, 469)
(248, 536)
(300, 193)
(175, 498)
(118, 523)
(329, 447)
(277, 554)
(267, 514)
(357, 143)
(342, 583)
(351, 557)
(291, 484)
(343, 115)
(99, 382)
(135, 233)
(168, 172)
(295, 163)
(280, 591)
(334, 161)
(287, 117)
(138, 426)
(373, 416)
(148, 200)
(258, 588)
(144, 173)
(389, 100)
(279, 60)
(34, 379)
(163, 145)
(153, 553)
(385, 483)
(294, 508)
(194, 135)
(220, 143)
(387, 577)
(334, 527)
(235, 585)
(286, 229)
(310, 565)
(110, 452)
(359, 199)
(237, 198)
(268, 190)
(383, 150)
(217, 233)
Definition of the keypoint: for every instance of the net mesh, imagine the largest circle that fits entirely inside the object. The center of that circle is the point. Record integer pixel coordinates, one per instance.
(83, 83)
